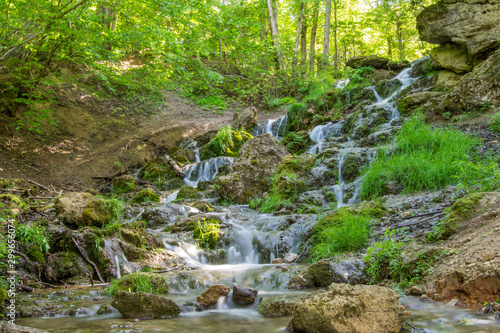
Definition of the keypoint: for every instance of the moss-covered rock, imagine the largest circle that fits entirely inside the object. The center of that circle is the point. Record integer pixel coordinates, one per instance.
(452, 57)
(144, 306)
(146, 196)
(123, 184)
(136, 282)
(291, 175)
(188, 192)
(202, 206)
(157, 168)
(181, 156)
(276, 306)
(66, 265)
(351, 168)
(297, 142)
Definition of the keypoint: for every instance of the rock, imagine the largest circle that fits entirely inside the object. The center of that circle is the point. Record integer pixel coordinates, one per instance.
(259, 158)
(290, 258)
(371, 60)
(414, 290)
(452, 57)
(213, 293)
(146, 195)
(409, 102)
(144, 306)
(105, 309)
(244, 295)
(346, 308)
(276, 306)
(247, 119)
(474, 25)
(425, 66)
(277, 261)
(65, 265)
(79, 209)
(123, 184)
(6, 327)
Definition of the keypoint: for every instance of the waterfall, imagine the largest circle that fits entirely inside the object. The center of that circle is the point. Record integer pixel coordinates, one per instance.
(205, 170)
(342, 83)
(321, 132)
(276, 127)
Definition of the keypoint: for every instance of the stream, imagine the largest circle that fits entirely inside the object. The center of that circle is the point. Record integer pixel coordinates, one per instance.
(251, 241)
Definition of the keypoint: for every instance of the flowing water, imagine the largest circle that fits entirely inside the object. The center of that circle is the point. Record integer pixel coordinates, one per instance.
(276, 127)
(205, 170)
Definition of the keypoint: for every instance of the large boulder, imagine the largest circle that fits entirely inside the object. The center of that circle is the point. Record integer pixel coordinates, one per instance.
(259, 158)
(6, 327)
(144, 306)
(247, 119)
(474, 25)
(244, 295)
(346, 308)
(371, 60)
(452, 57)
(277, 306)
(213, 293)
(80, 209)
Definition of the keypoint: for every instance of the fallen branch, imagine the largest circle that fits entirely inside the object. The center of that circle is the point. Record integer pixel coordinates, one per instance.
(9, 190)
(176, 168)
(420, 215)
(25, 288)
(39, 185)
(87, 259)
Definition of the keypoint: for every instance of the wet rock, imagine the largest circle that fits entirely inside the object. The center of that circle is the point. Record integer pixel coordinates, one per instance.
(65, 265)
(259, 158)
(247, 119)
(172, 184)
(6, 327)
(76, 312)
(277, 306)
(156, 216)
(105, 309)
(346, 308)
(212, 294)
(202, 206)
(425, 66)
(365, 61)
(144, 306)
(474, 25)
(290, 258)
(414, 290)
(282, 212)
(452, 57)
(277, 261)
(411, 101)
(244, 295)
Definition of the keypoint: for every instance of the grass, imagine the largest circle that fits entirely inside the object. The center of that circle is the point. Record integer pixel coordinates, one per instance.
(34, 234)
(147, 282)
(339, 232)
(424, 158)
(207, 233)
(494, 123)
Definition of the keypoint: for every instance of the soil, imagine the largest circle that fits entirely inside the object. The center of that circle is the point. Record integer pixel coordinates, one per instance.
(93, 141)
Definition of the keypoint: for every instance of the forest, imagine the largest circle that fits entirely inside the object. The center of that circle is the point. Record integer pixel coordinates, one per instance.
(249, 166)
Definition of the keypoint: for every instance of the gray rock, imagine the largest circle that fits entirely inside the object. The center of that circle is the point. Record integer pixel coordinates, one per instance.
(247, 119)
(244, 295)
(144, 306)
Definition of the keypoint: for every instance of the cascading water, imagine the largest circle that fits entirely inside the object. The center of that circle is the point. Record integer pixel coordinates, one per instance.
(321, 132)
(205, 170)
(276, 127)
(342, 83)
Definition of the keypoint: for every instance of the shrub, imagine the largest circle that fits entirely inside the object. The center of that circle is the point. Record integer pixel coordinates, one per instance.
(339, 232)
(207, 233)
(424, 158)
(34, 234)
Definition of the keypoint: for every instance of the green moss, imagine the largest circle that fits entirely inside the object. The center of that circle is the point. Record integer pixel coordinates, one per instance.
(95, 214)
(227, 142)
(461, 210)
(297, 142)
(123, 184)
(157, 168)
(3, 296)
(145, 196)
(351, 168)
(188, 192)
(207, 232)
(321, 273)
(147, 282)
(36, 255)
(202, 206)
(14, 201)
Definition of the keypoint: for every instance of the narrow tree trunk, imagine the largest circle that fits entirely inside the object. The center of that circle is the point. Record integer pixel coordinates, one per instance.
(303, 44)
(263, 36)
(400, 37)
(326, 40)
(297, 37)
(335, 36)
(275, 34)
(389, 47)
(312, 46)
(220, 47)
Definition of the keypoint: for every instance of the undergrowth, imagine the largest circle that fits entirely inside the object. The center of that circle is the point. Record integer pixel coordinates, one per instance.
(227, 142)
(147, 282)
(207, 233)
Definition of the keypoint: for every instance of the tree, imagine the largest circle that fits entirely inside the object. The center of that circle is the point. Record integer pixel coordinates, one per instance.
(274, 32)
(326, 37)
(312, 46)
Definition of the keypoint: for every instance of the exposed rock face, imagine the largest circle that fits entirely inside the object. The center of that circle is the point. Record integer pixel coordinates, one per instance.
(452, 57)
(277, 306)
(473, 24)
(144, 306)
(345, 308)
(244, 295)
(259, 158)
(247, 119)
(213, 293)
(372, 61)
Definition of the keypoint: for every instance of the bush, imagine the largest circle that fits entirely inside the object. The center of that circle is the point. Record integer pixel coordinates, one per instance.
(207, 233)
(34, 234)
(339, 232)
(494, 123)
(424, 158)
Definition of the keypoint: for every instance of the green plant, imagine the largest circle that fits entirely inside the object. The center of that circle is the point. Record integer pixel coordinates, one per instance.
(147, 282)
(424, 158)
(207, 233)
(339, 232)
(34, 234)
(227, 142)
(494, 122)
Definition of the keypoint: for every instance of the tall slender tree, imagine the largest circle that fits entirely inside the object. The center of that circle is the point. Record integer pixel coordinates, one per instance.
(312, 46)
(326, 35)
(275, 33)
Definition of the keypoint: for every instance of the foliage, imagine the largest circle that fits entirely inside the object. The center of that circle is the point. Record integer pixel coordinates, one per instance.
(147, 282)
(424, 158)
(146, 196)
(207, 233)
(115, 210)
(227, 142)
(34, 234)
(494, 122)
(339, 232)
(361, 74)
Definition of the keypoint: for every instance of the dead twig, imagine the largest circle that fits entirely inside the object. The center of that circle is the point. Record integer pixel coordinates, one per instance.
(39, 185)
(420, 215)
(87, 259)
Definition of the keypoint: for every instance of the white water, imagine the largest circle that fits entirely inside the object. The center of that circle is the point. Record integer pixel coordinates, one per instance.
(206, 170)
(342, 83)
(276, 127)
(321, 132)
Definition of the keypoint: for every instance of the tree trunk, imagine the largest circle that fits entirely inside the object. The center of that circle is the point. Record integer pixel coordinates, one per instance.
(400, 37)
(303, 44)
(326, 40)
(263, 36)
(297, 37)
(312, 46)
(275, 34)
(335, 35)
(220, 47)
(389, 47)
